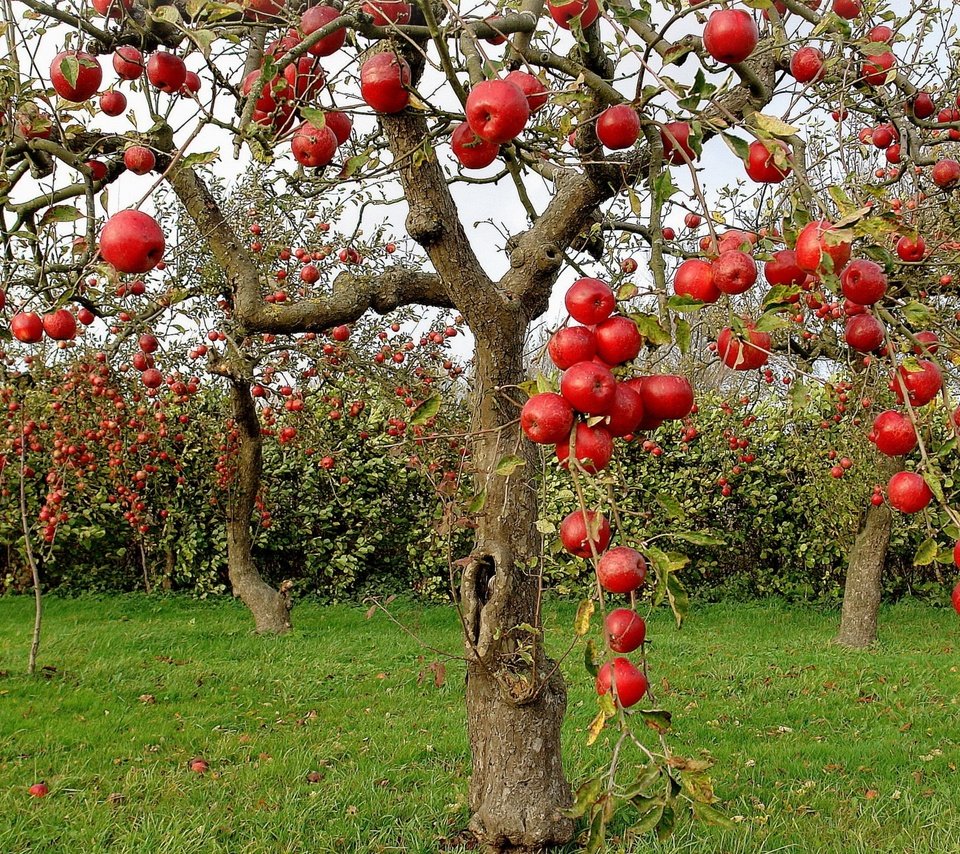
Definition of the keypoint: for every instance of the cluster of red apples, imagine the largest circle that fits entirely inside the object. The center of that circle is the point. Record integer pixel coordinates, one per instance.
(592, 409)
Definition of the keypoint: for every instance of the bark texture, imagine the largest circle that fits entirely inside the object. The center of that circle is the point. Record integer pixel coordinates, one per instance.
(270, 608)
(861, 594)
(516, 701)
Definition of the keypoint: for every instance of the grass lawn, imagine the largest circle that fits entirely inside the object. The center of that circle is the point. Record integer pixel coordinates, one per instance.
(818, 749)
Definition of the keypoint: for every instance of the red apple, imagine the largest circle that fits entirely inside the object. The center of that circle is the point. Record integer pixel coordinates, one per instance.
(313, 147)
(305, 77)
(734, 272)
(740, 354)
(692, 220)
(191, 84)
(262, 10)
(730, 35)
(621, 570)
(26, 326)
(666, 397)
(764, 161)
(386, 12)
(132, 242)
(148, 343)
(589, 301)
(564, 13)
(675, 137)
(198, 765)
(571, 345)
(618, 126)
(911, 248)
(955, 598)
(112, 8)
(880, 34)
(579, 531)
(946, 173)
(864, 333)
(782, 269)
(98, 169)
(893, 433)
(470, 150)
(340, 123)
(618, 340)
(821, 248)
(922, 385)
(594, 448)
(537, 94)
(626, 413)
(626, 630)
(319, 16)
(128, 62)
(628, 683)
(922, 106)
(61, 325)
(113, 103)
(863, 282)
(588, 387)
(139, 159)
(928, 342)
(547, 418)
(497, 110)
(908, 492)
(75, 75)
(152, 378)
(848, 9)
(166, 71)
(806, 65)
(39, 790)
(694, 278)
(383, 81)
(874, 69)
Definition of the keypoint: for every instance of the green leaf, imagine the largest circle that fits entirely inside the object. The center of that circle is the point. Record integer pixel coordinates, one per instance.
(684, 303)
(667, 824)
(167, 14)
(598, 829)
(70, 68)
(478, 502)
(671, 505)
(663, 186)
(917, 314)
(581, 623)
(698, 539)
(780, 295)
(317, 118)
(651, 329)
(711, 815)
(657, 719)
(927, 553)
(677, 53)
(60, 213)
(682, 334)
(585, 797)
(545, 384)
(646, 782)
(770, 321)
(738, 146)
(590, 658)
(626, 291)
(425, 410)
(679, 600)
(651, 809)
(936, 487)
(545, 526)
(509, 464)
(201, 158)
(204, 40)
(354, 164)
(772, 125)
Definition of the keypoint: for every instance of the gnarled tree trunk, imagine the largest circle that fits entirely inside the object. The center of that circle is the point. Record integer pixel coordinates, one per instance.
(861, 593)
(515, 699)
(270, 608)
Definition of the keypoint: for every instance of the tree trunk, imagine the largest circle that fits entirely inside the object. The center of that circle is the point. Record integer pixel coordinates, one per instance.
(270, 608)
(515, 698)
(861, 593)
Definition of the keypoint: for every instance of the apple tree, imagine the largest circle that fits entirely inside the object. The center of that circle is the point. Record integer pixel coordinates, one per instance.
(423, 118)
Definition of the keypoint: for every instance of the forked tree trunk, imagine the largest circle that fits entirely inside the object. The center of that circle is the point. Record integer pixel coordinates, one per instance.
(270, 608)
(515, 700)
(861, 593)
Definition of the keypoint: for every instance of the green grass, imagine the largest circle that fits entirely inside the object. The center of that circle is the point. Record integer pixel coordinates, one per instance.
(818, 749)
